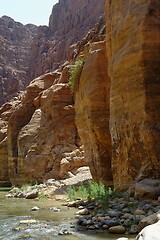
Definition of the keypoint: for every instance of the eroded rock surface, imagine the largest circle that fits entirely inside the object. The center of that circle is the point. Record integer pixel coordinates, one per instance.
(92, 112)
(151, 232)
(43, 141)
(133, 50)
(15, 45)
(5, 112)
(69, 22)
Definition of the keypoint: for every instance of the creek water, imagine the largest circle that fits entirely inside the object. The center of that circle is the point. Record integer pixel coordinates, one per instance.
(18, 222)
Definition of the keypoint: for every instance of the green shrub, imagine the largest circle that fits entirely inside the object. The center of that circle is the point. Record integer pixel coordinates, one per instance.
(88, 191)
(75, 72)
(25, 187)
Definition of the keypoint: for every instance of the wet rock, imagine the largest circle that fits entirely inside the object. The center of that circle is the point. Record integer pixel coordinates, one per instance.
(20, 195)
(139, 212)
(10, 195)
(28, 221)
(93, 227)
(127, 216)
(82, 221)
(54, 209)
(64, 232)
(117, 229)
(74, 203)
(31, 195)
(84, 211)
(35, 208)
(133, 229)
(123, 238)
(114, 214)
(110, 223)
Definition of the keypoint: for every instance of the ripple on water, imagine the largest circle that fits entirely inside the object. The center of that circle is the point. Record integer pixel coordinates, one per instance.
(46, 225)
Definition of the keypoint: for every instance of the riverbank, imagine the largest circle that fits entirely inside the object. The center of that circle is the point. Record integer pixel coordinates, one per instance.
(18, 221)
(113, 214)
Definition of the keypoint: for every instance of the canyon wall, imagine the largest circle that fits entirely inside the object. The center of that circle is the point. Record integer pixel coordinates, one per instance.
(113, 111)
(15, 45)
(69, 23)
(92, 98)
(133, 51)
(42, 137)
(5, 112)
(30, 51)
(41, 130)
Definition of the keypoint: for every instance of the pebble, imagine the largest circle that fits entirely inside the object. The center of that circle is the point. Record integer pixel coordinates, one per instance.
(64, 232)
(123, 238)
(84, 211)
(35, 208)
(54, 209)
(117, 230)
(28, 221)
(117, 219)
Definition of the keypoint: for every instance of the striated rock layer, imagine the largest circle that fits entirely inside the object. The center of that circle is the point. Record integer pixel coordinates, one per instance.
(41, 129)
(42, 137)
(92, 104)
(15, 45)
(92, 113)
(133, 50)
(69, 22)
(5, 112)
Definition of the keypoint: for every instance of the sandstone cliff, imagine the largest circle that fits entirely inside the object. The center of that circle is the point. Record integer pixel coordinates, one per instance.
(92, 98)
(115, 104)
(41, 129)
(44, 143)
(5, 112)
(69, 22)
(133, 50)
(20, 62)
(15, 44)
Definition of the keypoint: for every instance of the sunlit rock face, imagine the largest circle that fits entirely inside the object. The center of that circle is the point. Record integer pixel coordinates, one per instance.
(42, 136)
(133, 51)
(92, 113)
(15, 45)
(69, 22)
(19, 118)
(92, 95)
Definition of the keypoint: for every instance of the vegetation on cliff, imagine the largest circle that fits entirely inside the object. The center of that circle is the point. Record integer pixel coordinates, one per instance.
(75, 73)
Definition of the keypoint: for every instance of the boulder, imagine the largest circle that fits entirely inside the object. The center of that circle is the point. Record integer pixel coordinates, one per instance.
(32, 194)
(151, 232)
(147, 188)
(117, 230)
(151, 219)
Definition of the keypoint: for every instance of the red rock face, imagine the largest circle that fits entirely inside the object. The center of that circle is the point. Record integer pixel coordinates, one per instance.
(45, 137)
(27, 139)
(15, 43)
(20, 117)
(92, 113)
(5, 112)
(69, 22)
(133, 49)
